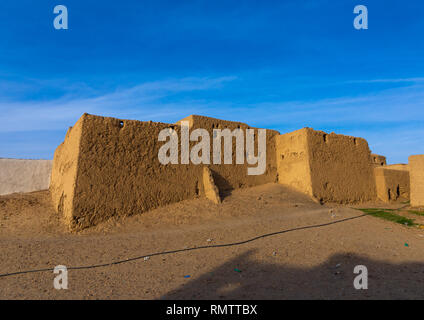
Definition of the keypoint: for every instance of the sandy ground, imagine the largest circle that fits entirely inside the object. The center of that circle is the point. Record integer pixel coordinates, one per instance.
(302, 264)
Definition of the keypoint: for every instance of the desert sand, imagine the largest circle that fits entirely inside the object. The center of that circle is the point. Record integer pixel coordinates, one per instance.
(312, 263)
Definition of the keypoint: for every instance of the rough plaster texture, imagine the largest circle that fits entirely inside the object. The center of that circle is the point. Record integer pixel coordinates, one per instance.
(329, 167)
(211, 190)
(231, 176)
(293, 161)
(18, 175)
(399, 166)
(64, 171)
(378, 160)
(109, 167)
(392, 184)
(416, 170)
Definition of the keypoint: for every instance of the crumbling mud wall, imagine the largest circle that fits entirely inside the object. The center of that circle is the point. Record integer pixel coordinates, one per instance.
(211, 190)
(398, 166)
(292, 159)
(392, 184)
(109, 167)
(329, 167)
(378, 160)
(18, 175)
(416, 171)
(340, 168)
(64, 171)
(228, 177)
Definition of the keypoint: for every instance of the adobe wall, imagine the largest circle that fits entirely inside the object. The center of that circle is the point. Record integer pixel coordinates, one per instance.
(293, 160)
(210, 188)
(399, 166)
(378, 160)
(392, 184)
(416, 171)
(109, 167)
(18, 175)
(341, 171)
(64, 171)
(329, 167)
(230, 176)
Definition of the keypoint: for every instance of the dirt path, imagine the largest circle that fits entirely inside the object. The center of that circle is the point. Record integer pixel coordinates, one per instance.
(308, 263)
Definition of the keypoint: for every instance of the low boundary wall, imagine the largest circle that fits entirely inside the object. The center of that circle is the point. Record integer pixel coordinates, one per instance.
(18, 175)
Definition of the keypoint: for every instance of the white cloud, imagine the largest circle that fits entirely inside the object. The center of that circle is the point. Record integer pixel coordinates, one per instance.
(389, 119)
(138, 102)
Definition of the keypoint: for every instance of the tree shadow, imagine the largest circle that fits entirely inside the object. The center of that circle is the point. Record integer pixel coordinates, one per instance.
(244, 278)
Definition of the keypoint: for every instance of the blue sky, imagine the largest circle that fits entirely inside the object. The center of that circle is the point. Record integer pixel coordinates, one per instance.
(276, 64)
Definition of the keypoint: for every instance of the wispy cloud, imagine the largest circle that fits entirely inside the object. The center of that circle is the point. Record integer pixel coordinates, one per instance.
(391, 119)
(139, 102)
(392, 80)
(397, 105)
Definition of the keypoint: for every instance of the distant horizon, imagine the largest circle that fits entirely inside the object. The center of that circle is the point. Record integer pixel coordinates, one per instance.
(280, 65)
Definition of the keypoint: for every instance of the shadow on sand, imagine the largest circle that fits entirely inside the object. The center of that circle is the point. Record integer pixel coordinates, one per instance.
(244, 278)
